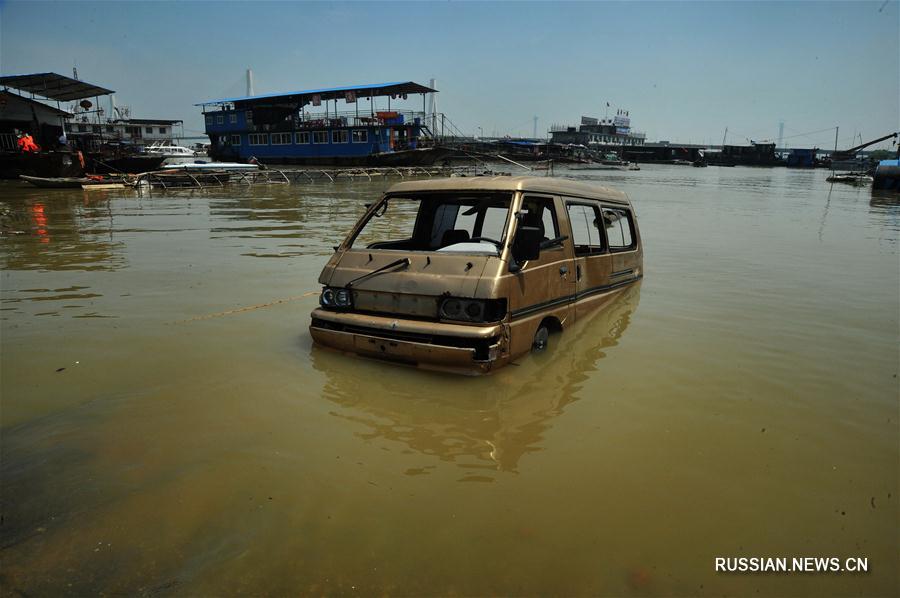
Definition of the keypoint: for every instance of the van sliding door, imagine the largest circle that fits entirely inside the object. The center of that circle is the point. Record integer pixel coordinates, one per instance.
(592, 262)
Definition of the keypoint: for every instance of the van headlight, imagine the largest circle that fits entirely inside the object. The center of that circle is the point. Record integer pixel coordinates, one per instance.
(472, 310)
(335, 298)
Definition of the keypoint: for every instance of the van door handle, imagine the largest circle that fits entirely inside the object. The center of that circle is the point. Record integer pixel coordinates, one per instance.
(563, 270)
(578, 272)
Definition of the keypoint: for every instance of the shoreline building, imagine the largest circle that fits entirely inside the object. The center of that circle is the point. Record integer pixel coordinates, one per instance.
(598, 133)
(135, 131)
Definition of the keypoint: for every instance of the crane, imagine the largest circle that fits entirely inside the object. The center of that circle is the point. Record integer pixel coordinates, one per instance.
(849, 154)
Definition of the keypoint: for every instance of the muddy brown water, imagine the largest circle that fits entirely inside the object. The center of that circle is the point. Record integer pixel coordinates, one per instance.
(743, 401)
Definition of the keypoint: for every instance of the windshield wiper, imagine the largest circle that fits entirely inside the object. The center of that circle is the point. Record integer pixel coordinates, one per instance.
(401, 262)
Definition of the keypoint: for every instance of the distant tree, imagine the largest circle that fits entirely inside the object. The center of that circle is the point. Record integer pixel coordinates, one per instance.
(882, 155)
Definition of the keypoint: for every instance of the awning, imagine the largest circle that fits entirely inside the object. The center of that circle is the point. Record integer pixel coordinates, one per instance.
(329, 93)
(53, 86)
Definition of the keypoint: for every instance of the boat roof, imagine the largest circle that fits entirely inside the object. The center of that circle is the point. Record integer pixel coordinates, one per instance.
(148, 121)
(328, 93)
(541, 184)
(13, 96)
(54, 86)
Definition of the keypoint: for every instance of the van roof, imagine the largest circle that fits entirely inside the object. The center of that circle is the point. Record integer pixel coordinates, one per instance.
(514, 183)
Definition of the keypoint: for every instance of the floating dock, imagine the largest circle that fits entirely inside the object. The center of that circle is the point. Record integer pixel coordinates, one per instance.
(212, 179)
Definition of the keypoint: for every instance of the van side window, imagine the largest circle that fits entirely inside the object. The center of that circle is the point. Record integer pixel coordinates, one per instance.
(585, 233)
(618, 228)
(542, 214)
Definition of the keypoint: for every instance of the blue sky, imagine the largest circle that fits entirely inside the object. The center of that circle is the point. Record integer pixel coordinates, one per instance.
(685, 71)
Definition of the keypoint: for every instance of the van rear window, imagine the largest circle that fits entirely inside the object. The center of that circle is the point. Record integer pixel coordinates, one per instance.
(618, 228)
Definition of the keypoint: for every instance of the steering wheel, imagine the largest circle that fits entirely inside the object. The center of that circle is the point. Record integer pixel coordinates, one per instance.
(488, 239)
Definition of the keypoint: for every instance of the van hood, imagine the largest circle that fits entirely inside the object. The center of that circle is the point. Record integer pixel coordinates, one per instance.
(431, 273)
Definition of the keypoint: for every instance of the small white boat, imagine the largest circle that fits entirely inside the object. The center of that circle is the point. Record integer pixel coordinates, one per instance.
(853, 178)
(211, 166)
(175, 154)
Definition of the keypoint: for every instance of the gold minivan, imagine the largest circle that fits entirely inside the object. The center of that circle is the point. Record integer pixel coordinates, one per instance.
(468, 274)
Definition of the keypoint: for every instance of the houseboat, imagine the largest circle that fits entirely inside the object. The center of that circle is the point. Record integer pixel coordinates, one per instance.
(36, 115)
(306, 127)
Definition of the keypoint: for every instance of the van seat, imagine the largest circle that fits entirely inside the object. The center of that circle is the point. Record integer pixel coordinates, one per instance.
(455, 235)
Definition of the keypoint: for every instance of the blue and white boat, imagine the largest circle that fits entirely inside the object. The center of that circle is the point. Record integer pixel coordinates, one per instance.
(306, 127)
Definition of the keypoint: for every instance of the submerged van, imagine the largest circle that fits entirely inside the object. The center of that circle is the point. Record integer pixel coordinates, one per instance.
(468, 274)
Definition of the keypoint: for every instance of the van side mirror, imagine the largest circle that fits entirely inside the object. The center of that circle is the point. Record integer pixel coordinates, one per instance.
(527, 245)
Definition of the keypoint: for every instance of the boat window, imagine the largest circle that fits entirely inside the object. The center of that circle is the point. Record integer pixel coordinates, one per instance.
(208, 119)
(162, 130)
(301, 138)
(446, 222)
(618, 228)
(281, 138)
(220, 120)
(339, 136)
(360, 136)
(258, 139)
(320, 136)
(235, 140)
(585, 233)
(232, 118)
(249, 116)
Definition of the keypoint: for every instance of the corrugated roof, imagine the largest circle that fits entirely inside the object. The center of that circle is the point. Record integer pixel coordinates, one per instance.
(54, 86)
(15, 97)
(331, 93)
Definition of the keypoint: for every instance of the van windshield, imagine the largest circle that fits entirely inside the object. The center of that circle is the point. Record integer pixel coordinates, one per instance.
(445, 222)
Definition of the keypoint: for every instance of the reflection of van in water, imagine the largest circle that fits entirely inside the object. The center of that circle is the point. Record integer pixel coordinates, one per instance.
(466, 274)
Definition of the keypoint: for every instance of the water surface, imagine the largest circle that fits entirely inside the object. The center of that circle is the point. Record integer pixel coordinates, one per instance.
(159, 437)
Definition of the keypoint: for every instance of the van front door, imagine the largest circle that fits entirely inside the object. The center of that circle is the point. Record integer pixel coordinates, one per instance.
(592, 263)
(544, 286)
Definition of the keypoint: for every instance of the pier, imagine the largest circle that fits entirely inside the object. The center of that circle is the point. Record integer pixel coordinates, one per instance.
(186, 179)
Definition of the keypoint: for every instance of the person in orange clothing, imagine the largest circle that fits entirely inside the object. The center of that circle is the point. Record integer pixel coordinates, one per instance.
(27, 144)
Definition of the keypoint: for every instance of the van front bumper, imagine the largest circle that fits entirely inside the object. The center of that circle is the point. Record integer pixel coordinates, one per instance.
(431, 345)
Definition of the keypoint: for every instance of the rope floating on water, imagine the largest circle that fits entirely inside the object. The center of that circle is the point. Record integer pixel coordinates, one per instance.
(248, 308)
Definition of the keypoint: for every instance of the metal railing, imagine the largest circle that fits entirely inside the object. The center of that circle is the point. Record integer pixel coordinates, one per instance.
(8, 141)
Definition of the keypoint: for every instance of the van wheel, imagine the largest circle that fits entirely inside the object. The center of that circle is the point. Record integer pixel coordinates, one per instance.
(540, 338)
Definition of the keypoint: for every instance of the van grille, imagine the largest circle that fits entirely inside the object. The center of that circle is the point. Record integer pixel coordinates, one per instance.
(481, 345)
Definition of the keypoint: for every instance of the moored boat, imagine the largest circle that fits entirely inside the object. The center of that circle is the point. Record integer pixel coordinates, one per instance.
(207, 166)
(852, 178)
(282, 129)
(69, 182)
